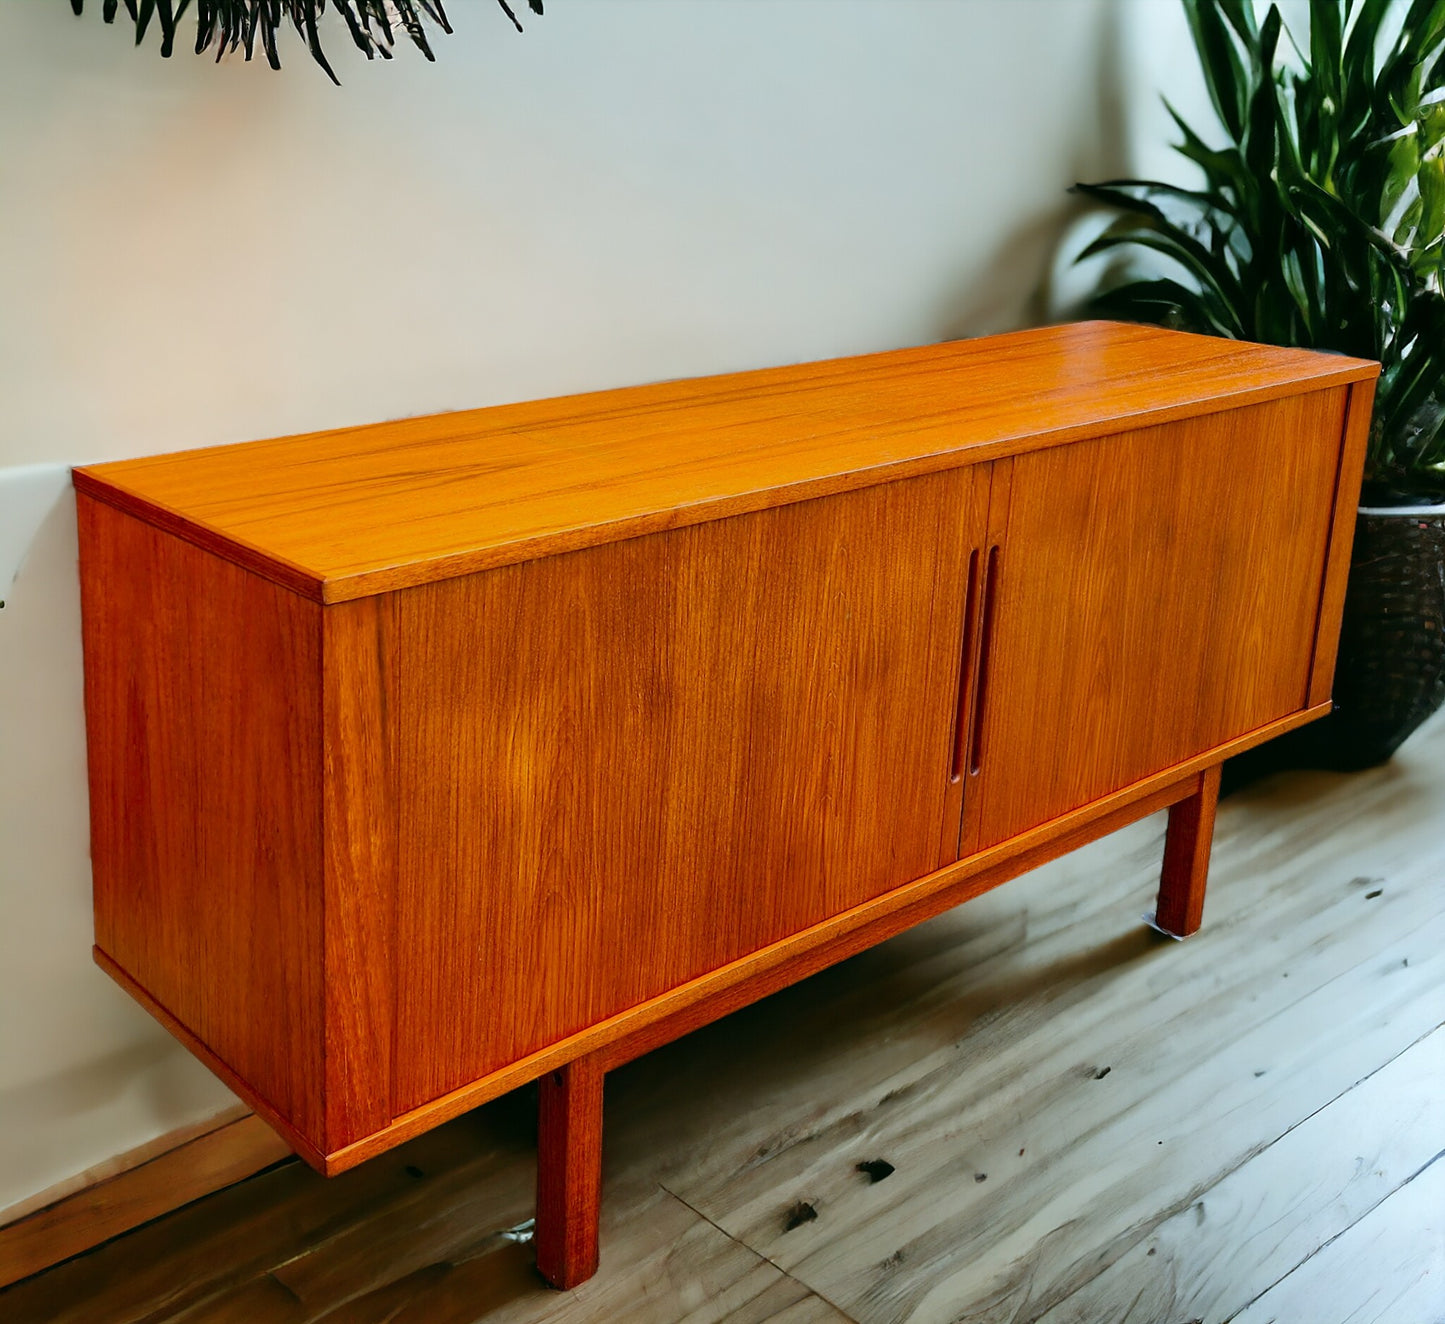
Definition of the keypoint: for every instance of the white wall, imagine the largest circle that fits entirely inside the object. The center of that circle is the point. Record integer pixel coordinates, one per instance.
(633, 190)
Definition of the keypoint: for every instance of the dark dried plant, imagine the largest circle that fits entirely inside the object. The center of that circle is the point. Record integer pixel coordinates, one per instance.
(231, 25)
(1320, 220)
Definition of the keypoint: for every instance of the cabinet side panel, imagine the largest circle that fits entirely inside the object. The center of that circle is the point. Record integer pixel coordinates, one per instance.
(360, 872)
(203, 720)
(621, 768)
(1347, 498)
(1160, 596)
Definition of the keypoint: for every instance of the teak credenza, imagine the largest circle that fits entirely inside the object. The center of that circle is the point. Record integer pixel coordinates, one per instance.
(435, 757)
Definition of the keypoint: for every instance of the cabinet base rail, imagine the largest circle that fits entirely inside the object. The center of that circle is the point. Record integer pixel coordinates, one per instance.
(569, 1131)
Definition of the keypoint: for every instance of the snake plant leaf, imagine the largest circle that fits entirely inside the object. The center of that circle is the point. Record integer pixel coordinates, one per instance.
(1240, 14)
(1357, 64)
(1259, 133)
(436, 14)
(1221, 169)
(1327, 45)
(1172, 303)
(377, 9)
(1140, 233)
(1427, 258)
(1114, 191)
(313, 43)
(360, 34)
(266, 26)
(511, 14)
(1223, 70)
(414, 28)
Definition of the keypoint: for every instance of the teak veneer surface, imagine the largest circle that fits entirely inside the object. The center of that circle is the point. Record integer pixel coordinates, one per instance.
(761, 740)
(433, 757)
(346, 513)
(205, 773)
(1159, 593)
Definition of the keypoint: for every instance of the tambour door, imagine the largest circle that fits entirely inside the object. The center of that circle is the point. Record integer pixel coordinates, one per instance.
(622, 767)
(1157, 595)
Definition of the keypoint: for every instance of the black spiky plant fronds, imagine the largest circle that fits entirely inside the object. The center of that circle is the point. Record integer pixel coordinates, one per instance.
(230, 25)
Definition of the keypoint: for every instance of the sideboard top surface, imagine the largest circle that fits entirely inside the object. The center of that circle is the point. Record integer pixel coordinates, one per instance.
(346, 513)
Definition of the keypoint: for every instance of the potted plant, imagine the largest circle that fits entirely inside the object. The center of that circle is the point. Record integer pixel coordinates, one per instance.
(1318, 223)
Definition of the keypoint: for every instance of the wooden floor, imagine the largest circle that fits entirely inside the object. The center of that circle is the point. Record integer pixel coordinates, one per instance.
(1030, 1109)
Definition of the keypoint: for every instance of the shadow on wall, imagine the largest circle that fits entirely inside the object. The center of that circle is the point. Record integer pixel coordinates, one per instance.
(71, 1044)
(1026, 281)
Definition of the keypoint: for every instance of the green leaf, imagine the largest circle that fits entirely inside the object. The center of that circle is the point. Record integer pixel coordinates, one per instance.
(1161, 301)
(1223, 70)
(1327, 44)
(1222, 169)
(1431, 179)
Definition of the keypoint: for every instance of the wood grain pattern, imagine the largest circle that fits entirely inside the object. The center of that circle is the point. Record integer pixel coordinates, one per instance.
(684, 1008)
(85, 1218)
(569, 1172)
(1386, 1269)
(1167, 583)
(1182, 880)
(1273, 1214)
(203, 720)
(360, 873)
(620, 770)
(337, 515)
(1358, 413)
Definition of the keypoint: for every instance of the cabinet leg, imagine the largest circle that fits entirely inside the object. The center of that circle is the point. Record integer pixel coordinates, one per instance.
(569, 1172)
(1186, 858)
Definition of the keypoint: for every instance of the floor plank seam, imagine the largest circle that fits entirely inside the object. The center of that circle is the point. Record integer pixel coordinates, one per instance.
(1354, 1085)
(1135, 1235)
(753, 1250)
(1330, 1241)
(103, 1245)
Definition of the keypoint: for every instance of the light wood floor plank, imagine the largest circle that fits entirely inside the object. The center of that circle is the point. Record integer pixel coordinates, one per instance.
(1214, 1048)
(1042, 1018)
(224, 1242)
(209, 1162)
(670, 1265)
(1389, 1268)
(1251, 1229)
(967, 1227)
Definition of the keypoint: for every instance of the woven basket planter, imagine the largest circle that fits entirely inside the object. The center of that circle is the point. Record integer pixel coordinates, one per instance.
(1391, 671)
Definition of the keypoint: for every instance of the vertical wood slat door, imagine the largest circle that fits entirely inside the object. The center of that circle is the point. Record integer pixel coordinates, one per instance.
(1159, 594)
(620, 769)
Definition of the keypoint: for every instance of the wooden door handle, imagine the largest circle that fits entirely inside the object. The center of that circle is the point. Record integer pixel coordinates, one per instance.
(987, 611)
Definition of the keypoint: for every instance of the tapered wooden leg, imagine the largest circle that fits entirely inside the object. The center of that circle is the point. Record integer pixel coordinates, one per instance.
(569, 1172)
(1186, 858)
